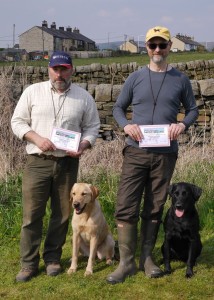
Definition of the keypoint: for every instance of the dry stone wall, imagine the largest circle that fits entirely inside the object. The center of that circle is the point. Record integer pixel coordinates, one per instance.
(104, 83)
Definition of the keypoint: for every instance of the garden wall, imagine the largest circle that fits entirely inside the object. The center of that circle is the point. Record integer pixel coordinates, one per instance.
(104, 83)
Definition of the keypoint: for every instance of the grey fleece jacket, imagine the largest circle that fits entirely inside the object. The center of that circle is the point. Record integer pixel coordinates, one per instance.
(169, 95)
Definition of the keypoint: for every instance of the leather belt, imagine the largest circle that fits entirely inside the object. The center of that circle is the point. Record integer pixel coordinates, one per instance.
(49, 157)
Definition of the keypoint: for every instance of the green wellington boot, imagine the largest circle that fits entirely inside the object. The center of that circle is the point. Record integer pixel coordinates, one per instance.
(127, 241)
(149, 232)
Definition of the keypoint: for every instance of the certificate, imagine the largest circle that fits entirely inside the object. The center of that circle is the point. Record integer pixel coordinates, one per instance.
(154, 136)
(65, 139)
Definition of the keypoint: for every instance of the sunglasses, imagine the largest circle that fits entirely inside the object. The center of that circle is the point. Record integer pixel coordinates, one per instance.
(161, 46)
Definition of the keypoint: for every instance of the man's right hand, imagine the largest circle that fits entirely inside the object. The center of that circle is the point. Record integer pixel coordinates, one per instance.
(42, 143)
(133, 130)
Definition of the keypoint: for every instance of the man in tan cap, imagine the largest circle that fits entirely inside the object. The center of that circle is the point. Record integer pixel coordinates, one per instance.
(155, 93)
(158, 31)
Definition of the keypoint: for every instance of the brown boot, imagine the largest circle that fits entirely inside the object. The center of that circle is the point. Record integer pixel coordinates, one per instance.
(127, 240)
(25, 274)
(53, 268)
(149, 232)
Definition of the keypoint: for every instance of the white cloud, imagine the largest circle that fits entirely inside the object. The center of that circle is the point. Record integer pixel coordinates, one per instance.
(51, 12)
(103, 13)
(125, 12)
(167, 19)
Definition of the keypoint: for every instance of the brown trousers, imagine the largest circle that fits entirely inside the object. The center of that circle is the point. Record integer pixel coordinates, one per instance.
(44, 180)
(144, 174)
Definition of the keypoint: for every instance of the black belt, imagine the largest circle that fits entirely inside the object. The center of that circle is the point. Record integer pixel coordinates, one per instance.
(50, 157)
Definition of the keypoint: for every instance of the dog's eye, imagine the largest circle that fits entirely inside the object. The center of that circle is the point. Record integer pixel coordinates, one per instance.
(73, 194)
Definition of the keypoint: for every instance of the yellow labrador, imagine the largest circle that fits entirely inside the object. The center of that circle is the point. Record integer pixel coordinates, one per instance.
(91, 235)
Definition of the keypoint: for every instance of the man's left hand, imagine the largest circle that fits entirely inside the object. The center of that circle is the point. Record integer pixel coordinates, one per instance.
(175, 130)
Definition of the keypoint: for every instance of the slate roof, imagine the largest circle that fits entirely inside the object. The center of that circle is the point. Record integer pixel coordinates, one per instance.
(187, 40)
(64, 34)
(133, 42)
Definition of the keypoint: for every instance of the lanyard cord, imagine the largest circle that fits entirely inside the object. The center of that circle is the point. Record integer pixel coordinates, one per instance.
(156, 99)
(54, 109)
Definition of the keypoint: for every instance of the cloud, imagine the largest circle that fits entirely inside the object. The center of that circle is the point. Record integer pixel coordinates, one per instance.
(126, 12)
(51, 12)
(104, 13)
(166, 19)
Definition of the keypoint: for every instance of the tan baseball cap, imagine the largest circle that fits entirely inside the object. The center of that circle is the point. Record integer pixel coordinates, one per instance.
(158, 31)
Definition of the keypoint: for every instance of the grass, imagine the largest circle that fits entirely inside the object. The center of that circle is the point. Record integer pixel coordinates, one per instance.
(138, 58)
(175, 286)
(104, 161)
(101, 167)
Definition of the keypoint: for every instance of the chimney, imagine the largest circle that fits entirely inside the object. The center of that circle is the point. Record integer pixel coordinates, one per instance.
(76, 30)
(45, 24)
(61, 28)
(53, 25)
(69, 29)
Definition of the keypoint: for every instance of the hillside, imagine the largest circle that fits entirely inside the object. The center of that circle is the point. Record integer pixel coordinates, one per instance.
(110, 45)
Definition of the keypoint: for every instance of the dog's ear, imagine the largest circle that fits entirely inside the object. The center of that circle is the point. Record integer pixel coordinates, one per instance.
(95, 192)
(71, 197)
(171, 189)
(197, 191)
(71, 194)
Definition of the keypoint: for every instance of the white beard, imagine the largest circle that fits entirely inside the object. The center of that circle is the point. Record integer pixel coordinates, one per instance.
(158, 59)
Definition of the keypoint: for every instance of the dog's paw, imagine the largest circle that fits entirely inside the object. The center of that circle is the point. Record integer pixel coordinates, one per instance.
(189, 274)
(109, 261)
(88, 273)
(71, 271)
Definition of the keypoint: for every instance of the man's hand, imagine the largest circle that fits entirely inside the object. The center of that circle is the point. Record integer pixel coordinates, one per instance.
(133, 130)
(42, 143)
(175, 130)
(84, 144)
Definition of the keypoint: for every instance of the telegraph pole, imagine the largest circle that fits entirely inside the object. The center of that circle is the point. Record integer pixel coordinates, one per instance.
(43, 42)
(13, 35)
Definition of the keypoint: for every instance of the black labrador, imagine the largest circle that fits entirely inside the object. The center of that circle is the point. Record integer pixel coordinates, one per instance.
(181, 226)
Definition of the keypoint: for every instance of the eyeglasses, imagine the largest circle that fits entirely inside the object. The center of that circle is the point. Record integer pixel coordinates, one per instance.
(161, 46)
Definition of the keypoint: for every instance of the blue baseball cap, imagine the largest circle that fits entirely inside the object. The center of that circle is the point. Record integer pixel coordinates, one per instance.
(60, 58)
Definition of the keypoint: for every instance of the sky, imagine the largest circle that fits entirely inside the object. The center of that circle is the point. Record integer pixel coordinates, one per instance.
(105, 21)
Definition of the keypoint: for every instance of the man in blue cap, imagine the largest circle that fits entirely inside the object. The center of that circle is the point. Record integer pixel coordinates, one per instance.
(51, 171)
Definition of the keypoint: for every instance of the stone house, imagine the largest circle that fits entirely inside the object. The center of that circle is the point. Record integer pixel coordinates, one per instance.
(130, 46)
(185, 43)
(48, 39)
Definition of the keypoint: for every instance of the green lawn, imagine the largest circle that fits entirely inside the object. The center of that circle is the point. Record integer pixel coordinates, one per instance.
(140, 59)
(76, 286)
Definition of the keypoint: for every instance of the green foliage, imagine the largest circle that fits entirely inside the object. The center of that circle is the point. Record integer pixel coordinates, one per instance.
(76, 286)
(138, 58)
(108, 192)
(10, 207)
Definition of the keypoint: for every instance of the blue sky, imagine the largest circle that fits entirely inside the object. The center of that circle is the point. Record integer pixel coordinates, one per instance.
(108, 20)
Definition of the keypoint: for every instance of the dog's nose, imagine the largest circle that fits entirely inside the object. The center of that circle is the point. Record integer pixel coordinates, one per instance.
(76, 204)
(179, 205)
